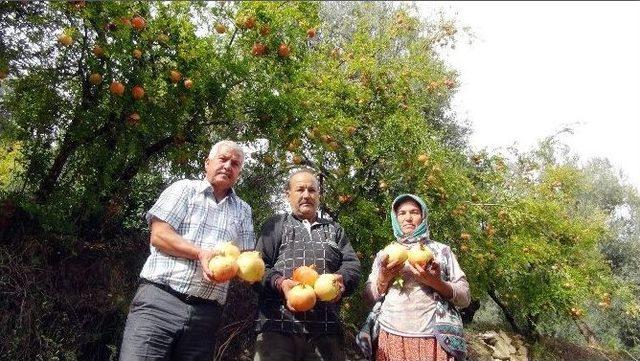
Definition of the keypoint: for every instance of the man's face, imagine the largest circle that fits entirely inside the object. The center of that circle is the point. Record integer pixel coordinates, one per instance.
(223, 169)
(304, 196)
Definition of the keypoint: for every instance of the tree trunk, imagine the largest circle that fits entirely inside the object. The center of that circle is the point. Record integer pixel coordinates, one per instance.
(507, 314)
(586, 332)
(47, 184)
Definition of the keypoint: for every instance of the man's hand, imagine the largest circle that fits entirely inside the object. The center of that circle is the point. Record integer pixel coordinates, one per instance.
(340, 282)
(204, 256)
(286, 286)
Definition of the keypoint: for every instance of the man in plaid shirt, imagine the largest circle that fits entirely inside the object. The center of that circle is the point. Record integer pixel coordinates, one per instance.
(177, 309)
(289, 241)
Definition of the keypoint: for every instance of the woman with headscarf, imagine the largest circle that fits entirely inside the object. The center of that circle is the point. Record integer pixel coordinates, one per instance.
(418, 318)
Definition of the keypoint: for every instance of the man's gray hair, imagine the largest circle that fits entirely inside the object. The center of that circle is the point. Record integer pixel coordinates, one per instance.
(302, 170)
(227, 144)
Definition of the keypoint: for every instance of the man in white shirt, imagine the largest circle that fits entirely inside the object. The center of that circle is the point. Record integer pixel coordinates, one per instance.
(177, 309)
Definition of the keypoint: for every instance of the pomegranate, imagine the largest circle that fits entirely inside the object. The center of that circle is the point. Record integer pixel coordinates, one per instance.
(133, 119)
(228, 249)
(224, 268)
(98, 51)
(137, 92)
(116, 88)
(265, 30)
(305, 275)
(138, 22)
(284, 50)
(301, 298)
(420, 255)
(258, 49)
(65, 39)
(250, 266)
(175, 76)
(327, 287)
(397, 253)
(95, 78)
(311, 33)
(220, 28)
(250, 22)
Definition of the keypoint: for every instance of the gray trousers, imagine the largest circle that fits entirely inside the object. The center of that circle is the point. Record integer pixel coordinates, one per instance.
(274, 346)
(161, 326)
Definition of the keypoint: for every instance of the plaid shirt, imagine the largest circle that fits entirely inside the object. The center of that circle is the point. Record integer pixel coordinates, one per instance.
(189, 206)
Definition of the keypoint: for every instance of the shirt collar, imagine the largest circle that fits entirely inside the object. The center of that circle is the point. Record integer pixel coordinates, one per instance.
(206, 187)
(317, 221)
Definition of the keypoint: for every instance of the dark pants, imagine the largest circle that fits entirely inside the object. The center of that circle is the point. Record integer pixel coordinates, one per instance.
(162, 325)
(274, 346)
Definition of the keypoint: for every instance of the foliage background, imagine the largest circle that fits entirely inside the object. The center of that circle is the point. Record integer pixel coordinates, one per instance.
(547, 241)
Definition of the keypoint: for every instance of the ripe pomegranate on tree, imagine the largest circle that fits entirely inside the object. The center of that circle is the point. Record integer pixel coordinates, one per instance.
(65, 39)
(283, 50)
(250, 22)
(95, 78)
(116, 88)
(138, 22)
(175, 76)
(98, 51)
(220, 28)
(258, 49)
(311, 33)
(133, 119)
(265, 30)
(137, 92)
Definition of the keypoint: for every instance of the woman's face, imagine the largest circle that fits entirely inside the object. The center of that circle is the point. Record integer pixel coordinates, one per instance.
(409, 216)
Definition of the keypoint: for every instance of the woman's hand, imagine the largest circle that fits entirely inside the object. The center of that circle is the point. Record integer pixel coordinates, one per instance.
(388, 272)
(430, 276)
